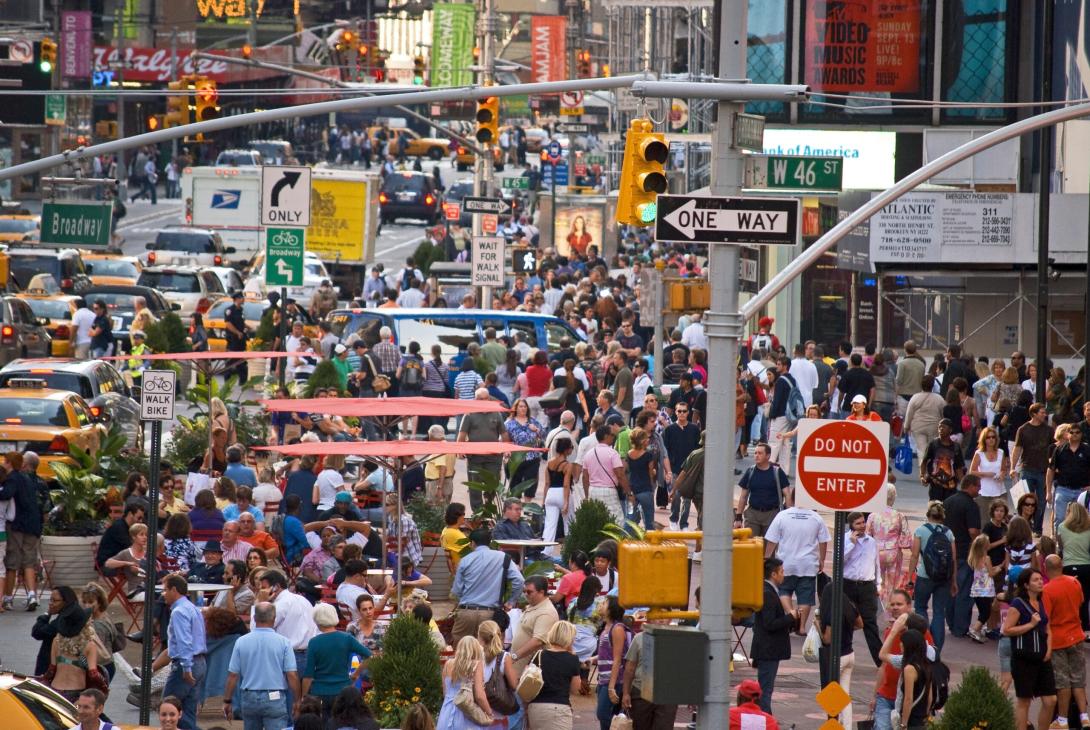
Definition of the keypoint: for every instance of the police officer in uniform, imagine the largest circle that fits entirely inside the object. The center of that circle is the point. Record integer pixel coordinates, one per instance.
(135, 365)
(235, 324)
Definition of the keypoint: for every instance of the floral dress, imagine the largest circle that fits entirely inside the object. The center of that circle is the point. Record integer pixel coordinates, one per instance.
(183, 552)
(528, 434)
(890, 530)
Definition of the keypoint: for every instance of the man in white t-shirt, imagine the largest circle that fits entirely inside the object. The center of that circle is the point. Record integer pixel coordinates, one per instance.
(82, 321)
(354, 586)
(293, 344)
(800, 539)
(805, 374)
(693, 335)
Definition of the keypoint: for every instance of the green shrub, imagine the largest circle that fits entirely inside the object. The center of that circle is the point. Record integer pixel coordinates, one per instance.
(189, 437)
(167, 335)
(977, 702)
(427, 516)
(407, 672)
(325, 375)
(586, 528)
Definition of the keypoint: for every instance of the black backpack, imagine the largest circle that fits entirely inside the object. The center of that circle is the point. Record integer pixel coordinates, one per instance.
(938, 556)
(940, 685)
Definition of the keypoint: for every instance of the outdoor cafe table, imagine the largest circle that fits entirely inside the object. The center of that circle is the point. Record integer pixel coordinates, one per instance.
(521, 545)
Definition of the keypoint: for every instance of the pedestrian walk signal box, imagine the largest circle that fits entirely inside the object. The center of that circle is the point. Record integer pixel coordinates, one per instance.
(687, 295)
(656, 575)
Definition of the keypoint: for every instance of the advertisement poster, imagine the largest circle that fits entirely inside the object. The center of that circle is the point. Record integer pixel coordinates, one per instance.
(577, 228)
(76, 44)
(452, 50)
(548, 48)
(863, 45)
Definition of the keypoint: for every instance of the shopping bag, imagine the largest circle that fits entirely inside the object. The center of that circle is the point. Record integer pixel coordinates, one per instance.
(1019, 490)
(902, 457)
(621, 722)
(812, 644)
(195, 482)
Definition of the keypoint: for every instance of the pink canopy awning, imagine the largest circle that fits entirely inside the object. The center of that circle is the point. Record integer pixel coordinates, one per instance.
(385, 407)
(394, 449)
(209, 355)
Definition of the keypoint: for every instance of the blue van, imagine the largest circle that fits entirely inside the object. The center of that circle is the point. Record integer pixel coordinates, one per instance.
(452, 329)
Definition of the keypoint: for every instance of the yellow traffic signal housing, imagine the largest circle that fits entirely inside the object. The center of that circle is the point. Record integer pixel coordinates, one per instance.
(488, 120)
(642, 176)
(418, 70)
(748, 573)
(653, 575)
(177, 104)
(47, 57)
(207, 101)
(582, 64)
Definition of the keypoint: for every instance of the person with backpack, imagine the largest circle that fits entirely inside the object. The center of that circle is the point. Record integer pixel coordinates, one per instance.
(915, 686)
(786, 410)
(764, 488)
(963, 519)
(410, 372)
(1027, 624)
(932, 563)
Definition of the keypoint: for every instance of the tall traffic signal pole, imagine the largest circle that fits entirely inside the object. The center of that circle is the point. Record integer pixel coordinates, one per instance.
(484, 171)
(723, 327)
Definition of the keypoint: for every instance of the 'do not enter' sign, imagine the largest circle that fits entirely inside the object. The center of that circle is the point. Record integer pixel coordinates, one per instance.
(842, 465)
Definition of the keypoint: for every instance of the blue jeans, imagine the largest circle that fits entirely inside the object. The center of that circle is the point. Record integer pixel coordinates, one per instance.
(1064, 496)
(1036, 481)
(766, 677)
(645, 503)
(882, 708)
(186, 692)
(606, 709)
(300, 661)
(963, 603)
(261, 713)
(679, 510)
(939, 596)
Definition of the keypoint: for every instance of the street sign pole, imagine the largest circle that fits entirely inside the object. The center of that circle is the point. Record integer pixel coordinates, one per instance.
(158, 388)
(837, 607)
(282, 363)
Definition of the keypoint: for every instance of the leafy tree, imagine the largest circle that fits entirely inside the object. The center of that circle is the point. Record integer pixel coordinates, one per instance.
(406, 672)
(585, 531)
(978, 702)
(325, 375)
(167, 335)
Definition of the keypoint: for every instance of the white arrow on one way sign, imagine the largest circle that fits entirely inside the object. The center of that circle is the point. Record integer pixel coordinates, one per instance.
(688, 219)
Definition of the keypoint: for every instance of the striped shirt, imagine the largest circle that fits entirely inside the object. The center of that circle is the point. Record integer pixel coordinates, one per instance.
(466, 384)
(435, 377)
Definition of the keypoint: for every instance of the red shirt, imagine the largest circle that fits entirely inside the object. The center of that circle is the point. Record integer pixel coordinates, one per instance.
(1062, 598)
(872, 416)
(888, 676)
(754, 715)
(539, 378)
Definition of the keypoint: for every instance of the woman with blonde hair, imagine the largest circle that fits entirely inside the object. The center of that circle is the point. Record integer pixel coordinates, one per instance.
(989, 463)
(551, 709)
(221, 418)
(93, 597)
(490, 635)
(215, 456)
(1073, 535)
(889, 528)
(467, 665)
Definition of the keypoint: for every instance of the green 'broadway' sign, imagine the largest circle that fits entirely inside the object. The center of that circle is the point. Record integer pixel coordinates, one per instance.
(84, 225)
(284, 249)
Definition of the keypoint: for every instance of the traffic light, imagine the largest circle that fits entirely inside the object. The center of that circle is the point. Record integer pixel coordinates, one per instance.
(247, 51)
(642, 177)
(488, 120)
(177, 104)
(48, 56)
(582, 64)
(208, 96)
(418, 70)
(606, 70)
(154, 122)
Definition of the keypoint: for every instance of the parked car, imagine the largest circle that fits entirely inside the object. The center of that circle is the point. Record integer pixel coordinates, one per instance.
(64, 265)
(410, 195)
(57, 309)
(22, 333)
(187, 246)
(108, 268)
(238, 158)
(99, 383)
(118, 301)
(192, 288)
(46, 421)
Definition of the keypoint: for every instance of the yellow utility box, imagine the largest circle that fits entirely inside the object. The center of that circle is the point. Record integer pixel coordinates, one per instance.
(653, 575)
(687, 295)
(748, 574)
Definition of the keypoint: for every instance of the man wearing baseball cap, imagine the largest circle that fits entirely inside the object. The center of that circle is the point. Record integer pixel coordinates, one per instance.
(747, 714)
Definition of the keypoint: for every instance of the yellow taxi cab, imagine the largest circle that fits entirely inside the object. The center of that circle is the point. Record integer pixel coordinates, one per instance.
(465, 159)
(110, 269)
(27, 704)
(47, 422)
(58, 309)
(19, 227)
(435, 148)
(252, 310)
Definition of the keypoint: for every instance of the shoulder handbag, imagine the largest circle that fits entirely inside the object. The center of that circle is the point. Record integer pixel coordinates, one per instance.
(1030, 646)
(499, 615)
(465, 702)
(379, 383)
(531, 681)
(616, 486)
(500, 696)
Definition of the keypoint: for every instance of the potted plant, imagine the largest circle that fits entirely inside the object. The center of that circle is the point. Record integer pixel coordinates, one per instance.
(80, 510)
(585, 530)
(407, 672)
(169, 335)
(430, 523)
(978, 702)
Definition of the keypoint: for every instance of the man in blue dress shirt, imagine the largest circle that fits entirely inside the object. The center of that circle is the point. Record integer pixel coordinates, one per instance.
(263, 665)
(478, 583)
(186, 650)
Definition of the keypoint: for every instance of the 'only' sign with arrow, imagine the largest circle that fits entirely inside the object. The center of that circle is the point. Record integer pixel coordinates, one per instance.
(727, 220)
(285, 196)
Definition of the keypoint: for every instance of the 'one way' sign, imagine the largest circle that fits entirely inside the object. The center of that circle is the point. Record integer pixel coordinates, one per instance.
(727, 220)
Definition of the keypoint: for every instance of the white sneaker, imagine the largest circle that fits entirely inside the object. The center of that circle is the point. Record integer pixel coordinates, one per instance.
(674, 527)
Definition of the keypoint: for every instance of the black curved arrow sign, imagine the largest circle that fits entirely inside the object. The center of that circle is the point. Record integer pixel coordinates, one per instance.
(289, 179)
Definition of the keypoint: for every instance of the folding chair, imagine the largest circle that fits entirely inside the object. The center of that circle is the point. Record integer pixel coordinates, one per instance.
(741, 628)
(116, 585)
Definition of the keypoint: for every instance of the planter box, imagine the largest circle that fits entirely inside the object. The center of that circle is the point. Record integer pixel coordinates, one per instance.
(434, 565)
(73, 560)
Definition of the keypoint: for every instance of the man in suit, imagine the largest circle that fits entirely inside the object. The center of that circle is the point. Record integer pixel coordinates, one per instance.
(772, 627)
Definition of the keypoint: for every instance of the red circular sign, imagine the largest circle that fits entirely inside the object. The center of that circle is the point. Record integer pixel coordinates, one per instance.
(842, 465)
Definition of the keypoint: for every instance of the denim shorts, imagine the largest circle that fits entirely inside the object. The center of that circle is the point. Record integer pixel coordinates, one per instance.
(804, 588)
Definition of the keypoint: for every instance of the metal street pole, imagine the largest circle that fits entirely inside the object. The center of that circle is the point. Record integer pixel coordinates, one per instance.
(723, 326)
(148, 630)
(1044, 189)
(283, 334)
(122, 169)
(174, 77)
(483, 182)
